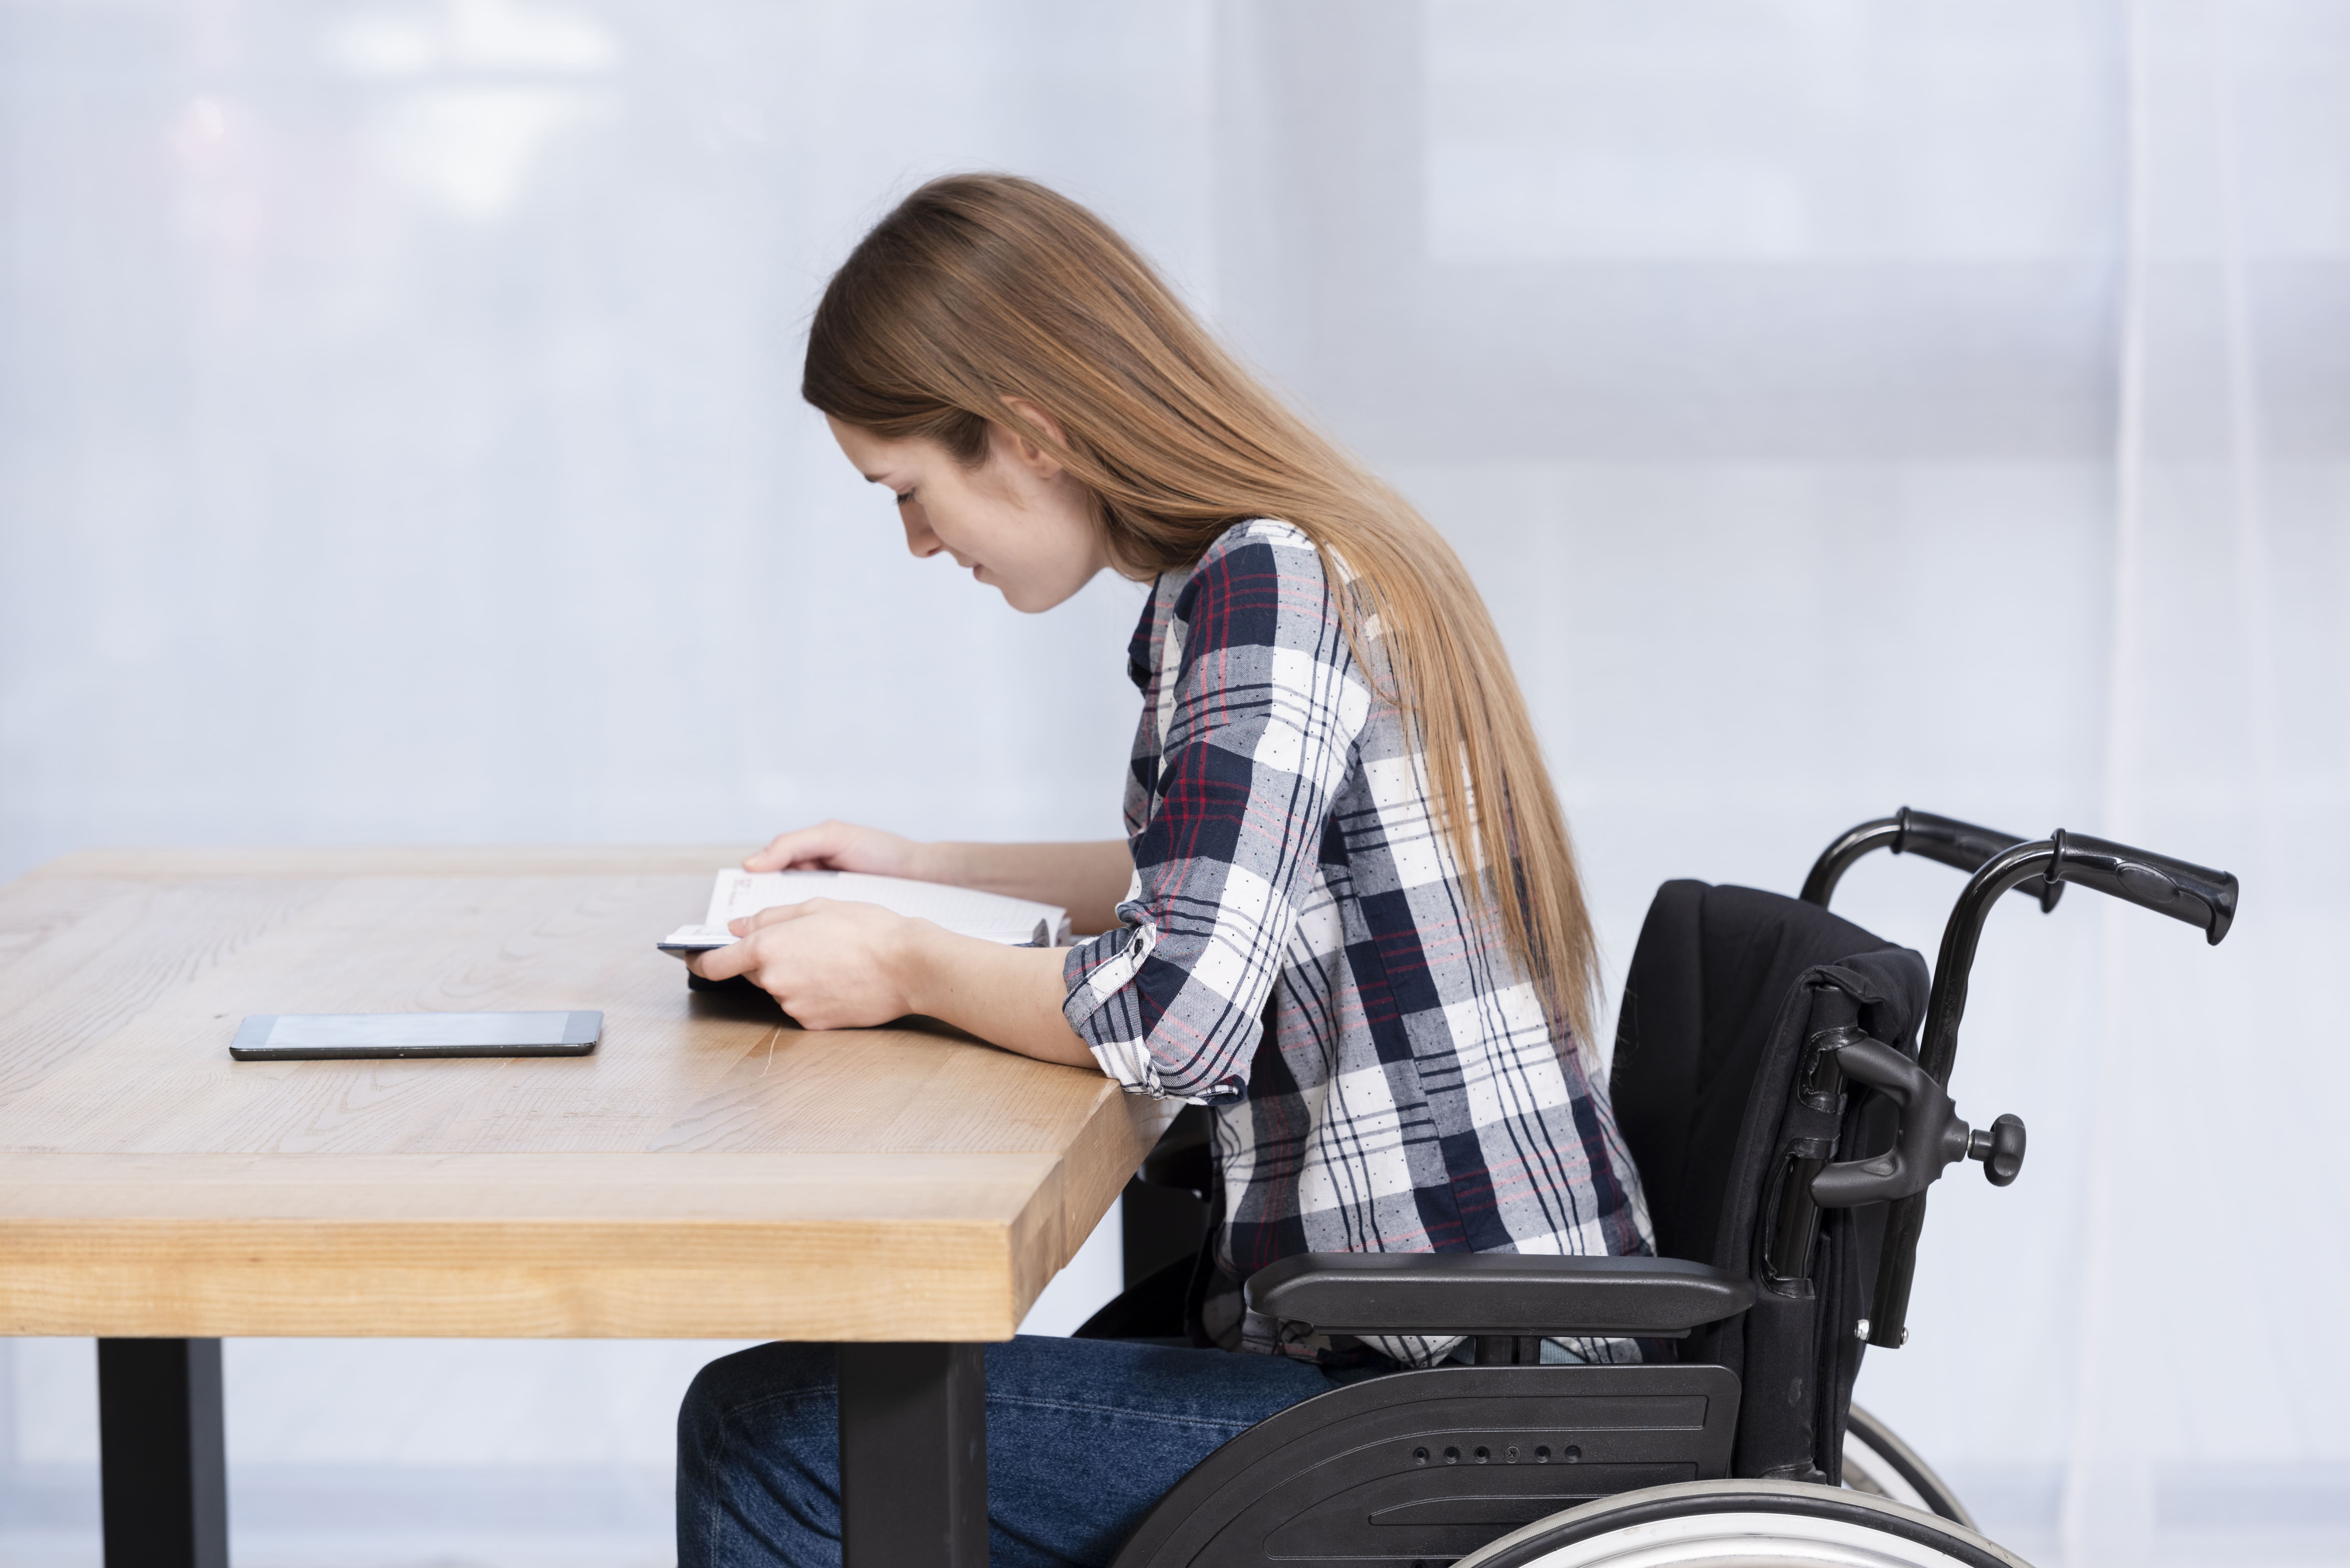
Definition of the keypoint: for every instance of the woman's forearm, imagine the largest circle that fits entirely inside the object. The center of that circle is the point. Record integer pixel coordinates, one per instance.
(1087, 880)
(1007, 996)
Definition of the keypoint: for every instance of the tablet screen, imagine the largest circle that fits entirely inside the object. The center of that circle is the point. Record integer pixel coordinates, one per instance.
(343, 1031)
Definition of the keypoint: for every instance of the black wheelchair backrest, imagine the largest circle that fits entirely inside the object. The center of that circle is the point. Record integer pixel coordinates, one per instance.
(1728, 987)
(1711, 981)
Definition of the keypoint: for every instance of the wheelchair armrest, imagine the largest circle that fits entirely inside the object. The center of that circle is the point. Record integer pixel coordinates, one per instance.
(1495, 1293)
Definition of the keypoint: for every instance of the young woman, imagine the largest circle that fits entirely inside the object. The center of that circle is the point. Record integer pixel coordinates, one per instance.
(1346, 917)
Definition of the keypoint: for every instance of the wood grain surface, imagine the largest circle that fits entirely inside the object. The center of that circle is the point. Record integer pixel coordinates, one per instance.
(711, 1171)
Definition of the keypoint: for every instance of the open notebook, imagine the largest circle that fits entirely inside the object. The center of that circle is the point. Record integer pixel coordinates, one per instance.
(991, 917)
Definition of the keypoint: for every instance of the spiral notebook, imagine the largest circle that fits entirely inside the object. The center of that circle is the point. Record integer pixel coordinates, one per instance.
(991, 917)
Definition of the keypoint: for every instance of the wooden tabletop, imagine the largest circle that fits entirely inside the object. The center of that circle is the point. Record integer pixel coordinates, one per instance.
(709, 1171)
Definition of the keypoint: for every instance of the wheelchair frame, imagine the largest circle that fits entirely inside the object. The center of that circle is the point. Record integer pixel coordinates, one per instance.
(1642, 1453)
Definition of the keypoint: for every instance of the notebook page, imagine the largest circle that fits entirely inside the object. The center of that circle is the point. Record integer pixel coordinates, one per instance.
(992, 916)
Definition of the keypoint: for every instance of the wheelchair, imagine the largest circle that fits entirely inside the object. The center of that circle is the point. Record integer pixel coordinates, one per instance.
(1780, 1077)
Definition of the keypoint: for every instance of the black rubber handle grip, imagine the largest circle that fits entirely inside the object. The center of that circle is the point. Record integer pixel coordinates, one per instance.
(1958, 845)
(1963, 846)
(2196, 894)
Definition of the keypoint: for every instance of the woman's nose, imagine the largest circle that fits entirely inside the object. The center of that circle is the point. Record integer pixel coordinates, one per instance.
(918, 538)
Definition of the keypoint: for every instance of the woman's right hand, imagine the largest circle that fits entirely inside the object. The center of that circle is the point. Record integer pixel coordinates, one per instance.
(843, 846)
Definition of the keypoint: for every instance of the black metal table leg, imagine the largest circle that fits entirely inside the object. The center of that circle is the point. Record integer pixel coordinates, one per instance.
(913, 1456)
(163, 1460)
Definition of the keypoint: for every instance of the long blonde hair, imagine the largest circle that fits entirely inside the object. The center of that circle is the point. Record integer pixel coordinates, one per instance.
(979, 287)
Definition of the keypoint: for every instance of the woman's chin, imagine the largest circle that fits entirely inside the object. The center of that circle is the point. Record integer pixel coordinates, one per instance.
(1035, 597)
(1032, 600)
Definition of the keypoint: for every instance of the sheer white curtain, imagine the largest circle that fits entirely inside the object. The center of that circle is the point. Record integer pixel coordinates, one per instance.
(1842, 406)
(2211, 1207)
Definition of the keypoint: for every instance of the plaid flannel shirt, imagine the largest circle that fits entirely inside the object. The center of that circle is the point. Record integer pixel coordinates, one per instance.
(1411, 1097)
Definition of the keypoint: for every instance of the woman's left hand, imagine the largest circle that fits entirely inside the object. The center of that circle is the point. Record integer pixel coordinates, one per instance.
(837, 965)
(832, 965)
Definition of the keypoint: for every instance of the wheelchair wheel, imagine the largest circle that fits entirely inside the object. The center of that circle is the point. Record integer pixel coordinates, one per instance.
(1743, 1524)
(1876, 1461)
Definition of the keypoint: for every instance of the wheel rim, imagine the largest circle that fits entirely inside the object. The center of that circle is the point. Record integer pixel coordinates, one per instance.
(1745, 1540)
(1743, 1524)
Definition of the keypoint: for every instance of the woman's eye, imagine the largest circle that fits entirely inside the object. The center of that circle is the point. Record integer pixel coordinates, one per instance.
(904, 496)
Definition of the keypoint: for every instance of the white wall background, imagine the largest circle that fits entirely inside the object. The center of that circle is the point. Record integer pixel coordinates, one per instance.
(1843, 405)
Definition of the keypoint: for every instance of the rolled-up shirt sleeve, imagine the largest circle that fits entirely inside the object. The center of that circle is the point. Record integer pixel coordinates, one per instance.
(1257, 713)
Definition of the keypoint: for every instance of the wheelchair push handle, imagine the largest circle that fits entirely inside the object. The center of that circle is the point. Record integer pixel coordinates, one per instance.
(2198, 895)
(1962, 845)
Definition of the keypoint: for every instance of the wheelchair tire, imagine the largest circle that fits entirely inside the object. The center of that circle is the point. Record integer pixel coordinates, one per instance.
(1743, 1524)
(1876, 1461)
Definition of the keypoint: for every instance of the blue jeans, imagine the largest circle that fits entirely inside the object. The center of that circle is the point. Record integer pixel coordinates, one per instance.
(1083, 1435)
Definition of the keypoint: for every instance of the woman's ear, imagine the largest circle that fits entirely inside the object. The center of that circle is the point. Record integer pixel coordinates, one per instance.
(1022, 450)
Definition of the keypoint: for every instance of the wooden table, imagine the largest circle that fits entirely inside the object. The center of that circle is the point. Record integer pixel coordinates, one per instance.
(711, 1171)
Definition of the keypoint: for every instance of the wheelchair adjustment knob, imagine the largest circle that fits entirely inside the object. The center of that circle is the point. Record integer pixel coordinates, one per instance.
(2001, 1148)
